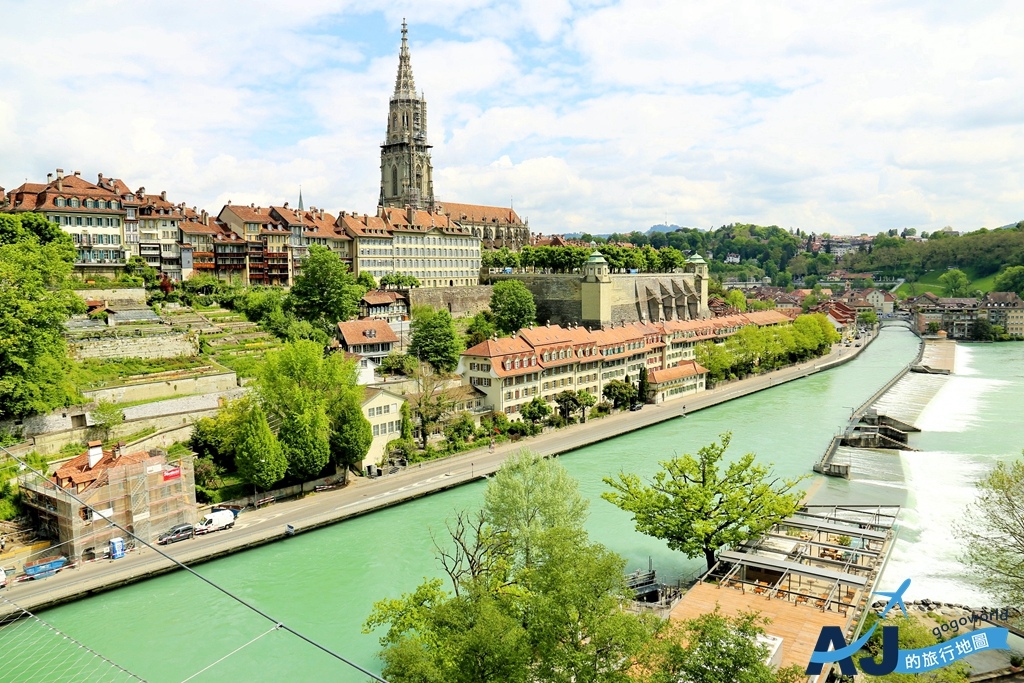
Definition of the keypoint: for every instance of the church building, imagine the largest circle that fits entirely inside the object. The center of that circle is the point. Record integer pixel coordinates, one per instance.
(407, 175)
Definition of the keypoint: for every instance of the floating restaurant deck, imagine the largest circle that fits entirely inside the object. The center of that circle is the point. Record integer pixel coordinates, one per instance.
(810, 570)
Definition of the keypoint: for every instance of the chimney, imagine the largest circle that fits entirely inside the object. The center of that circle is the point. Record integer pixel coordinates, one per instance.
(49, 178)
(410, 214)
(286, 205)
(205, 217)
(366, 219)
(60, 173)
(95, 453)
(99, 180)
(60, 181)
(163, 195)
(78, 174)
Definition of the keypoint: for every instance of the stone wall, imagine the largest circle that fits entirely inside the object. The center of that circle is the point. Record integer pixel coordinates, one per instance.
(558, 296)
(166, 388)
(136, 294)
(461, 302)
(161, 346)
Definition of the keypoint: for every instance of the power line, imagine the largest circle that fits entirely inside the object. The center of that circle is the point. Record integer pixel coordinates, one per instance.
(277, 624)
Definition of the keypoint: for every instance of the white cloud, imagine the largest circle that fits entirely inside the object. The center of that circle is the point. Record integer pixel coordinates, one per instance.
(595, 116)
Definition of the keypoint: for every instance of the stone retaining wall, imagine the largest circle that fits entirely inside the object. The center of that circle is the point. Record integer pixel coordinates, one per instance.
(162, 346)
(167, 388)
(461, 302)
(136, 294)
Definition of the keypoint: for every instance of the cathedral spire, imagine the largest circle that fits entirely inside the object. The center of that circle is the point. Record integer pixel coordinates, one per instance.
(405, 87)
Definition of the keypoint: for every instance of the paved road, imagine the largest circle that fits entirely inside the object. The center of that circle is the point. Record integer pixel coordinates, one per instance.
(257, 527)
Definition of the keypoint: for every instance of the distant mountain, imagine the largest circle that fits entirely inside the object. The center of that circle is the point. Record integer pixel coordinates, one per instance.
(661, 227)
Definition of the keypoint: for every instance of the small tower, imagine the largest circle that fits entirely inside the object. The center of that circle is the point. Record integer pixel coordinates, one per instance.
(406, 173)
(699, 268)
(596, 292)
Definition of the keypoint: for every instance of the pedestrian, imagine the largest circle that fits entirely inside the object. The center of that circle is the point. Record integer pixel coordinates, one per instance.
(3, 543)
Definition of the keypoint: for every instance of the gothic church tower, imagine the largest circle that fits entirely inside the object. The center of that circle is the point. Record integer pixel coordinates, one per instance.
(406, 176)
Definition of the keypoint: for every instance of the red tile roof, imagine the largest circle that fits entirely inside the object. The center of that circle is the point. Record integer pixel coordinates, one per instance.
(477, 213)
(355, 332)
(686, 368)
(77, 471)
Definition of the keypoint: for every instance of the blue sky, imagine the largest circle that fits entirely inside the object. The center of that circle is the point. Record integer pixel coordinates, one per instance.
(595, 115)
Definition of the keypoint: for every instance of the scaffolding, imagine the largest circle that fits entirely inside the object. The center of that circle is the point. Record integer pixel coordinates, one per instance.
(146, 497)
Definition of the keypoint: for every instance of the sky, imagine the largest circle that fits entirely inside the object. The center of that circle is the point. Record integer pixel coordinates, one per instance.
(587, 116)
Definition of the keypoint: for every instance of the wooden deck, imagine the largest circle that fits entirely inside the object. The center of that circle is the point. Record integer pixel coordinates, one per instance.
(797, 625)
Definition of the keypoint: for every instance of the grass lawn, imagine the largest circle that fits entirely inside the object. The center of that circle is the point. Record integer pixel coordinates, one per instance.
(929, 282)
(94, 372)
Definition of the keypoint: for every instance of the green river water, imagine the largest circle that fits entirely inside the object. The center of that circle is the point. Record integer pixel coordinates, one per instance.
(324, 583)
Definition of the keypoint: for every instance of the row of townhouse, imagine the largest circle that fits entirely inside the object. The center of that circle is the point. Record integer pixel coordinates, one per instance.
(544, 361)
(957, 316)
(250, 244)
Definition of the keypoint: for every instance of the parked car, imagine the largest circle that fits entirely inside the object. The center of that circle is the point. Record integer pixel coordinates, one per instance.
(176, 533)
(636, 406)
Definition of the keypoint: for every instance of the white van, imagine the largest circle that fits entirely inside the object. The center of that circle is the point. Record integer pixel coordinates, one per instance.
(213, 521)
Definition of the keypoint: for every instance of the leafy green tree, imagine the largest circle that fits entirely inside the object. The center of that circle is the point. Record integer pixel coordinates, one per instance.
(736, 299)
(934, 327)
(869, 318)
(259, 458)
(643, 387)
(138, 268)
(217, 437)
(992, 533)
(35, 301)
(621, 394)
(512, 305)
(432, 403)
(714, 648)
(305, 437)
(351, 433)
(325, 293)
(586, 400)
(697, 508)
(535, 410)
(396, 363)
(955, 281)
(1010, 280)
(366, 280)
(106, 417)
(715, 358)
(405, 426)
(534, 599)
(568, 403)
(435, 340)
(481, 328)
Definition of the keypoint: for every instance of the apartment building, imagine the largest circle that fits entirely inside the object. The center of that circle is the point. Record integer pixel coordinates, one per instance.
(93, 215)
(1005, 309)
(546, 360)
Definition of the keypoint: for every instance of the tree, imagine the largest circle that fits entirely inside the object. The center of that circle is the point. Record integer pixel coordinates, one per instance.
(535, 410)
(325, 293)
(736, 299)
(934, 327)
(568, 403)
(259, 457)
(642, 386)
(534, 599)
(305, 434)
(621, 394)
(396, 363)
(351, 434)
(714, 648)
(992, 533)
(481, 328)
(1010, 280)
(586, 400)
(106, 417)
(697, 509)
(983, 330)
(432, 402)
(512, 305)
(913, 635)
(868, 318)
(435, 340)
(405, 427)
(955, 281)
(366, 280)
(35, 301)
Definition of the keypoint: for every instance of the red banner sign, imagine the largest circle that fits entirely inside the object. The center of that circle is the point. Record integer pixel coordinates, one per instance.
(172, 473)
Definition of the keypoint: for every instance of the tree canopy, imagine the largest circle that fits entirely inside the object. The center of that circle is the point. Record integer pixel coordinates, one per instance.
(512, 306)
(36, 259)
(325, 293)
(259, 457)
(435, 340)
(698, 506)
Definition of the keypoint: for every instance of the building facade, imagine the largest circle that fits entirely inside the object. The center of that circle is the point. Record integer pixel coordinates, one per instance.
(143, 492)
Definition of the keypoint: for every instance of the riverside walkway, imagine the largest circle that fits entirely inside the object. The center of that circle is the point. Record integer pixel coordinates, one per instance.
(266, 525)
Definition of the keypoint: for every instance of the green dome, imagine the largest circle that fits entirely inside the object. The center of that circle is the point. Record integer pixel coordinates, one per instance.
(596, 257)
(696, 258)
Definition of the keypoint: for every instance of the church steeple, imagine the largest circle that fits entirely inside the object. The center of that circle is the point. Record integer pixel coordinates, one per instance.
(406, 174)
(405, 87)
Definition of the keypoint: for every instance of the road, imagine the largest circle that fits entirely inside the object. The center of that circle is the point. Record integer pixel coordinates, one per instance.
(257, 527)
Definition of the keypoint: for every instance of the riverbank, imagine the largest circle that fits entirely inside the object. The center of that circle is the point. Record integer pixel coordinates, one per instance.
(268, 525)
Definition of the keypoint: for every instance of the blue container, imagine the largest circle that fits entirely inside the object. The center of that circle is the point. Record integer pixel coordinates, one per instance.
(116, 548)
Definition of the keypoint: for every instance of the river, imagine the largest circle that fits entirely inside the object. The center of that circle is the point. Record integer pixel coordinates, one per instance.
(324, 583)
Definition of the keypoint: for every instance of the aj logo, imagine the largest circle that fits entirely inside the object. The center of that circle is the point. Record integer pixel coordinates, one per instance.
(832, 647)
